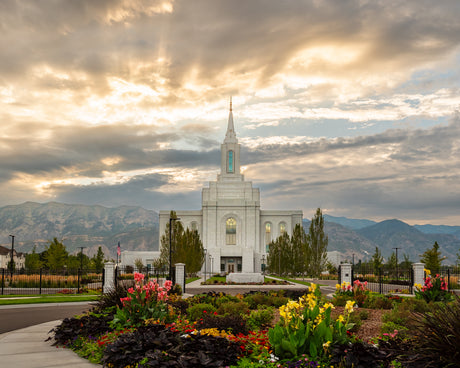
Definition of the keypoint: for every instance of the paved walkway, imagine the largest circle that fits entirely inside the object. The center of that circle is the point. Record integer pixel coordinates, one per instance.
(26, 348)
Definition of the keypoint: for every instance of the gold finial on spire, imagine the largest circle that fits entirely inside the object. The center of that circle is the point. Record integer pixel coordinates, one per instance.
(230, 103)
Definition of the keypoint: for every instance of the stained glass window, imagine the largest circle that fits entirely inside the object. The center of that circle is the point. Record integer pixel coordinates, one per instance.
(230, 231)
(230, 161)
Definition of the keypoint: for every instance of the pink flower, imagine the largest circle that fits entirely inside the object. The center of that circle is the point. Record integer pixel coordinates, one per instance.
(130, 290)
(138, 277)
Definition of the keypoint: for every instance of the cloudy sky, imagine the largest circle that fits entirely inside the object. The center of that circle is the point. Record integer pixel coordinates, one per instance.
(348, 105)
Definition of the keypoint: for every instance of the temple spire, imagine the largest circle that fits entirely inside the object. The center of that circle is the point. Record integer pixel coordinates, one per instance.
(230, 136)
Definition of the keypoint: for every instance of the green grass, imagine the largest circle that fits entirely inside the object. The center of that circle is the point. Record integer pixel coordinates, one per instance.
(32, 299)
(191, 279)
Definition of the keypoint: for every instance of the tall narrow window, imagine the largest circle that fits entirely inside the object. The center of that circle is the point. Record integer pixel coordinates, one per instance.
(230, 231)
(230, 161)
(268, 235)
(282, 228)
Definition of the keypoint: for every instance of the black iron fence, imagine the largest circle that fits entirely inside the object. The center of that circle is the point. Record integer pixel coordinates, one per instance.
(44, 281)
(384, 280)
(452, 276)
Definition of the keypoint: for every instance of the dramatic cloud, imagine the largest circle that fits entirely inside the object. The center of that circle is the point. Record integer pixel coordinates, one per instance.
(347, 105)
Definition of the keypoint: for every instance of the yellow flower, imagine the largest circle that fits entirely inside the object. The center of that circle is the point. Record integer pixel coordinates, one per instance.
(326, 344)
(428, 272)
(418, 286)
(341, 319)
(327, 305)
(313, 287)
(337, 286)
(349, 306)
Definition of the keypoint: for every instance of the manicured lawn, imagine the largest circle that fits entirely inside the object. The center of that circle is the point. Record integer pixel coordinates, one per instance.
(32, 299)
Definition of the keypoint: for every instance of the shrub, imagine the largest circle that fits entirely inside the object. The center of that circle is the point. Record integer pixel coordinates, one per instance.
(378, 301)
(234, 324)
(233, 308)
(260, 319)
(197, 311)
(442, 325)
(157, 346)
(112, 298)
(71, 328)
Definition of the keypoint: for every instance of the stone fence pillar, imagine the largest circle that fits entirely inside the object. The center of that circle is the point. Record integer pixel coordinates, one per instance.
(345, 272)
(419, 273)
(180, 275)
(109, 277)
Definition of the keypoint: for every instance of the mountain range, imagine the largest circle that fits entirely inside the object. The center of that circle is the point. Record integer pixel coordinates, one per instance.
(35, 224)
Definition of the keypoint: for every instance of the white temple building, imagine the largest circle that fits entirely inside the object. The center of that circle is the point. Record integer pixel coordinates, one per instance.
(234, 230)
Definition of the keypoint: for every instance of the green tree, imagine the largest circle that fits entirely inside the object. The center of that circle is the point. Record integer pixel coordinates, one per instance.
(139, 264)
(301, 252)
(33, 260)
(55, 255)
(406, 264)
(377, 260)
(98, 260)
(318, 242)
(186, 247)
(432, 258)
(77, 261)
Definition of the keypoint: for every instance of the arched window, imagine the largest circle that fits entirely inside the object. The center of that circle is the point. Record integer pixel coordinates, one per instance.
(194, 225)
(230, 162)
(268, 235)
(282, 228)
(230, 231)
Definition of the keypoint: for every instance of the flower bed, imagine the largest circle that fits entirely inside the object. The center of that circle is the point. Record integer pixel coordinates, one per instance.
(147, 326)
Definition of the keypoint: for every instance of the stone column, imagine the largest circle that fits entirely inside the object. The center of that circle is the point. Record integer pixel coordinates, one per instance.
(109, 277)
(180, 275)
(345, 270)
(419, 273)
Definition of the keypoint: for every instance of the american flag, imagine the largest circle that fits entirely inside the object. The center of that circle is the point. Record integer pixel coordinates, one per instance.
(118, 249)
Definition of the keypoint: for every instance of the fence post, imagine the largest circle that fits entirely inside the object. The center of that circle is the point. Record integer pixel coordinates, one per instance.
(40, 287)
(109, 282)
(448, 278)
(180, 275)
(3, 279)
(419, 273)
(345, 273)
(380, 280)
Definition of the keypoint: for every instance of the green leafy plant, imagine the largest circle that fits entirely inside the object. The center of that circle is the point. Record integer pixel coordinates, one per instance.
(306, 327)
(197, 311)
(260, 319)
(437, 335)
(435, 289)
(147, 300)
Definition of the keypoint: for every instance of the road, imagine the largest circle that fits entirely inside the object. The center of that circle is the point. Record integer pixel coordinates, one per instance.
(13, 317)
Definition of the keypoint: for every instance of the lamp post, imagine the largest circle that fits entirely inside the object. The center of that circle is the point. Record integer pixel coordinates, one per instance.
(210, 264)
(81, 257)
(205, 251)
(12, 251)
(397, 265)
(170, 247)
(263, 264)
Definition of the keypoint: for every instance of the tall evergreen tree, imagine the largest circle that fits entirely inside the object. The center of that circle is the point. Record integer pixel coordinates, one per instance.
(33, 260)
(318, 242)
(432, 258)
(98, 260)
(377, 260)
(55, 255)
(186, 247)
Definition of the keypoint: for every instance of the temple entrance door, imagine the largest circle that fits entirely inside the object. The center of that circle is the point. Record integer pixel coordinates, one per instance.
(231, 268)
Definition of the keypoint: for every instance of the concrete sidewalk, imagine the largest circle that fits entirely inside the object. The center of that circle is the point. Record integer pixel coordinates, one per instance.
(26, 348)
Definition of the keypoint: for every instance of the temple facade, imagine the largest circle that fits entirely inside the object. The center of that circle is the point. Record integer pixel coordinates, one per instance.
(235, 231)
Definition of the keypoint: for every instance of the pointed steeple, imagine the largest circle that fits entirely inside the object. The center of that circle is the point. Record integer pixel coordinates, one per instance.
(230, 136)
